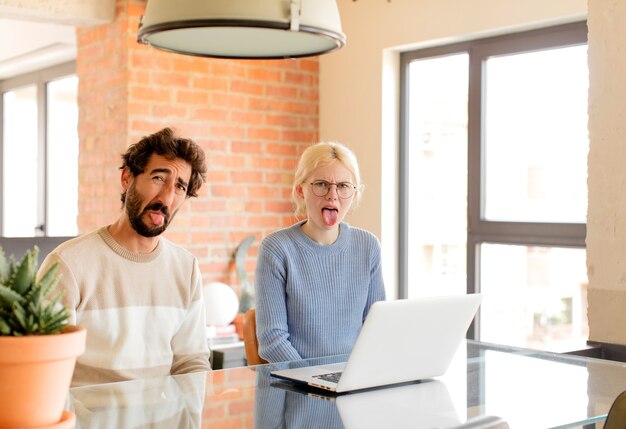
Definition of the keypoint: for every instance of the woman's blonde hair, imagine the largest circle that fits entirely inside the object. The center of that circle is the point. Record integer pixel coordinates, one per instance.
(321, 154)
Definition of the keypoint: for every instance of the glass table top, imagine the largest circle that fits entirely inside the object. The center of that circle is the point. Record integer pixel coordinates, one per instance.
(525, 388)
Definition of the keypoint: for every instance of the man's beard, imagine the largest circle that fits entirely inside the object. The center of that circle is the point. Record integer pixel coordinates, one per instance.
(133, 207)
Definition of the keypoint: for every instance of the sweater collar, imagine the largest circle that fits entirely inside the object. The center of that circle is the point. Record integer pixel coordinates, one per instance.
(343, 239)
(125, 253)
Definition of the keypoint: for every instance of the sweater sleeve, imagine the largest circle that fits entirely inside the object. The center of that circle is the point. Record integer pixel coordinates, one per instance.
(189, 344)
(271, 309)
(67, 287)
(376, 290)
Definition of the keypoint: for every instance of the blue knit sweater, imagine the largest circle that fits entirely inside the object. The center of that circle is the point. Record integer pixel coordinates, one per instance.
(312, 299)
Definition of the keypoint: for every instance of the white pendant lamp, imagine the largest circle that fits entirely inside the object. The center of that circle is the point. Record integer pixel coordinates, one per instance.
(252, 29)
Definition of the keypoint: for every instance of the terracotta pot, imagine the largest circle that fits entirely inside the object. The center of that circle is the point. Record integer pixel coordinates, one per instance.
(35, 375)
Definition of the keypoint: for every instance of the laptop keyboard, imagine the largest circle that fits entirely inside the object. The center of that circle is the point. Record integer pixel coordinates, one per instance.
(332, 377)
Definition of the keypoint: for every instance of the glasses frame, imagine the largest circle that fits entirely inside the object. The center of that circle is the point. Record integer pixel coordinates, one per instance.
(329, 185)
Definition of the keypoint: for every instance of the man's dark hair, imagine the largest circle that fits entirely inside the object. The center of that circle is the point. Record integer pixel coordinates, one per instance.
(166, 143)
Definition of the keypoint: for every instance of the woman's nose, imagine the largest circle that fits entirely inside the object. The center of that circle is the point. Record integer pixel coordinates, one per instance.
(332, 191)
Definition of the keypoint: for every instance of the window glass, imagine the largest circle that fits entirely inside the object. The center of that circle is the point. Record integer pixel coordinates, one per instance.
(535, 136)
(534, 297)
(493, 165)
(437, 176)
(62, 183)
(20, 166)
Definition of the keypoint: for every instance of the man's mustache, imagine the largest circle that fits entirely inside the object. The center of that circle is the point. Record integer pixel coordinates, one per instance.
(158, 207)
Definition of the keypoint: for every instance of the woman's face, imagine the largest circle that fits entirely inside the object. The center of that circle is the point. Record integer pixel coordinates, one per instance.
(326, 212)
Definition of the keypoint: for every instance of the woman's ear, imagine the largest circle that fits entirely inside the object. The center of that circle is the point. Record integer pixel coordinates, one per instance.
(299, 191)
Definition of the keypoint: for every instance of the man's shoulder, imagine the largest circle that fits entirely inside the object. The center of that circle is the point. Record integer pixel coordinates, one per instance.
(78, 244)
(173, 249)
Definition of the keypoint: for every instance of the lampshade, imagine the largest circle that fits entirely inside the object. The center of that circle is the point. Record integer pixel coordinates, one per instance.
(261, 29)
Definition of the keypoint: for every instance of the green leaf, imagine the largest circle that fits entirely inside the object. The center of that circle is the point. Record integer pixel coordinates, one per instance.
(9, 296)
(5, 329)
(49, 280)
(4, 267)
(23, 278)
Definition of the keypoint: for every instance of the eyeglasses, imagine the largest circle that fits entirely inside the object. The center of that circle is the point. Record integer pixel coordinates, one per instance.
(321, 188)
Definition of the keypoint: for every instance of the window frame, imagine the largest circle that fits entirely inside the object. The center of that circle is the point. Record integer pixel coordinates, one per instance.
(480, 230)
(40, 80)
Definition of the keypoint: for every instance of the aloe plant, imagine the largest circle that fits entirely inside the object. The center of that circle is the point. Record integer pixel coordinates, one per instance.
(28, 306)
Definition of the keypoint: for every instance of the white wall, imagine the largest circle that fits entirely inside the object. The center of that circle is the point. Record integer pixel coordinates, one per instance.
(606, 215)
(359, 83)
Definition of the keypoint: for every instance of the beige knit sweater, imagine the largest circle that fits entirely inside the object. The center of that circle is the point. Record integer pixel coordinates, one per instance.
(144, 313)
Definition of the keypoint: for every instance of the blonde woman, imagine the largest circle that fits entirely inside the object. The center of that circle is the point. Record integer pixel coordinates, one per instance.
(316, 280)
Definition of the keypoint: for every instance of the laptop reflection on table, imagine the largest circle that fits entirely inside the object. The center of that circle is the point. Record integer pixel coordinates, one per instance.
(424, 404)
(401, 341)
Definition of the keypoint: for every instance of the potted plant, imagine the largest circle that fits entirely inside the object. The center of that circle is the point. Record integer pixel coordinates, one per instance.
(38, 348)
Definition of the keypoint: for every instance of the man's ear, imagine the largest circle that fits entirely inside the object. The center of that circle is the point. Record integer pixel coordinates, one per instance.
(126, 178)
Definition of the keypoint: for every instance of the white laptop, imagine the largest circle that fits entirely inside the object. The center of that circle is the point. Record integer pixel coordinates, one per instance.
(400, 341)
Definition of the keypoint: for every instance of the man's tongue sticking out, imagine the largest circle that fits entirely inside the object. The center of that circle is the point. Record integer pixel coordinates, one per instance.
(156, 218)
(329, 216)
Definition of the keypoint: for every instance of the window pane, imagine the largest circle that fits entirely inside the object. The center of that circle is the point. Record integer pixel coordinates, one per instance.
(534, 297)
(437, 175)
(62, 157)
(19, 163)
(535, 138)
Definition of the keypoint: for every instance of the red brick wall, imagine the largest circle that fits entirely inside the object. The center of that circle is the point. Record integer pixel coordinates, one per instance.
(253, 118)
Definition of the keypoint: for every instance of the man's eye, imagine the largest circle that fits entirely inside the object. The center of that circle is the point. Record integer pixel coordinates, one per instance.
(321, 185)
(181, 187)
(158, 179)
(344, 185)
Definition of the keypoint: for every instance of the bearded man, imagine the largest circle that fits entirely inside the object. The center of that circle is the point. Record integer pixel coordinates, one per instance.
(139, 295)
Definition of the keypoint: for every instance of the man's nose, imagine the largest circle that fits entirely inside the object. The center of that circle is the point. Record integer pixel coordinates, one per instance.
(167, 194)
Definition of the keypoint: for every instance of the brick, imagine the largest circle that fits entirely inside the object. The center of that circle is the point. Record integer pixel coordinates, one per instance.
(279, 207)
(248, 118)
(247, 87)
(246, 177)
(148, 94)
(275, 91)
(228, 131)
(281, 149)
(210, 114)
(170, 79)
(234, 161)
(286, 121)
(232, 191)
(263, 134)
(211, 83)
(247, 147)
(228, 100)
(191, 97)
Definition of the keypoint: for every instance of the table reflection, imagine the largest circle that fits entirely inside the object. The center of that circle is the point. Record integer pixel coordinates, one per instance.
(174, 402)
(280, 404)
(524, 388)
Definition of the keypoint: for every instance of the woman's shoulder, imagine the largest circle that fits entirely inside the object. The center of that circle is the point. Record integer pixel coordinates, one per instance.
(280, 238)
(361, 234)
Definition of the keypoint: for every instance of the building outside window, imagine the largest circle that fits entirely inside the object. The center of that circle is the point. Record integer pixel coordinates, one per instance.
(39, 154)
(493, 182)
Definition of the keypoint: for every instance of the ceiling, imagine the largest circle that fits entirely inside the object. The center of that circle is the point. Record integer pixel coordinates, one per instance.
(31, 45)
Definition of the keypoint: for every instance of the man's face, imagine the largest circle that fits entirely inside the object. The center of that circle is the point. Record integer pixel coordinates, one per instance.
(154, 196)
